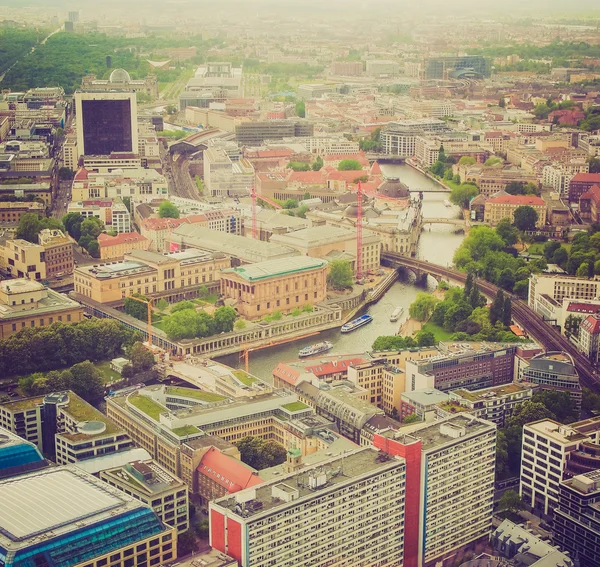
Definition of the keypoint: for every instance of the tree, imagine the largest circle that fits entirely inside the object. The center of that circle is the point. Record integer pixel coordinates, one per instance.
(349, 165)
(86, 382)
(93, 248)
(507, 279)
(507, 232)
(560, 403)
(492, 161)
(29, 227)
(298, 166)
(511, 502)
(462, 195)
(65, 173)
(135, 308)
(497, 308)
(316, 166)
(422, 307)
(186, 543)
(261, 453)
(141, 358)
(168, 210)
(458, 312)
(550, 248)
(91, 227)
(467, 160)
(72, 223)
(583, 270)
(594, 165)
(525, 218)
(425, 338)
(224, 318)
(561, 257)
(202, 529)
(507, 312)
(290, 204)
(411, 418)
(162, 304)
(301, 109)
(340, 274)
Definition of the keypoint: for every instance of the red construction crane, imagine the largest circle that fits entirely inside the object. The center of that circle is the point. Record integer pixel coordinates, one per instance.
(255, 197)
(359, 194)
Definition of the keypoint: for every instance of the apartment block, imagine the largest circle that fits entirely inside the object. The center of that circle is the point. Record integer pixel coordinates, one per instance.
(11, 212)
(450, 486)
(254, 133)
(422, 403)
(473, 367)
(548, 289)
(576, 527)
(115, 247)
(495, 404)
(347, 68)
(383, 381)
(551, 453)
(348, 510)
(176, 275)
(149, 483)
(98, 181)
(399, 138)
(504, 206)
(580, 183)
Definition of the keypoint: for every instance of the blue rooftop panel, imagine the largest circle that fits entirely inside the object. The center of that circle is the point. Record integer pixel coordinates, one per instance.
(19, 455)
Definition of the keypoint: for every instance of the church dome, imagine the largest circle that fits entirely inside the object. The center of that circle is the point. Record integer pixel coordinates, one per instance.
(394, 188)
(119, 76)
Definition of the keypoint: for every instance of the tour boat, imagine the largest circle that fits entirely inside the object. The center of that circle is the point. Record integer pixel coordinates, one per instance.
(396, 314)
(315, 349)
(356, 323)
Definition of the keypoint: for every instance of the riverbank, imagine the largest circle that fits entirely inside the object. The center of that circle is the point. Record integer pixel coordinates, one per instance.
(412, 326)
(428, 175)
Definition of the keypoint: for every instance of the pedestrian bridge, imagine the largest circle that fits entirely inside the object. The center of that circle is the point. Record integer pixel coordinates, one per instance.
(442, 220)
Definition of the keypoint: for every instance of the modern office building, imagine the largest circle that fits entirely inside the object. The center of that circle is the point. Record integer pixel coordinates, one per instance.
(455, 67)
(399, 138)
(62, 516)
(29, 304)
(346, 511)
(276, 285)
(552, 452)
(254, 133)
(149, 483)
(378, 67)
(227, 175)
(554, 371)
(347, 68)
(106, 123)
(473, 367)
(214, 81)
(576, 526)
(18, 456)
(64, 427)
(422, 403)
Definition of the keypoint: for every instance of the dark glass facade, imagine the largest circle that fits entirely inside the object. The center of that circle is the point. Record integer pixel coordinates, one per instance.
(106, 127)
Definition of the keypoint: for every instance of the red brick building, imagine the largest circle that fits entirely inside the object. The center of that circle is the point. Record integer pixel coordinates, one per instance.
(589, 204)
(581, 183)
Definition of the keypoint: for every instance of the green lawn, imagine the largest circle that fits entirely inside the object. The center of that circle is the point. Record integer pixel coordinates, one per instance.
(438, 332)
(197, 394)
(244, 377)
(211, 299)
(151, 408)
(108, 375)
(185, 430)
(295, 406)
(538, 248)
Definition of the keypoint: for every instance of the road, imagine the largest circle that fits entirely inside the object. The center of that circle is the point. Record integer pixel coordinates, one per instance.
(534, 325)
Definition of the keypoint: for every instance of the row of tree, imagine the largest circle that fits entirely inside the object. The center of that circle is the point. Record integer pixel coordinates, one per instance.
(396, 342)
(60, 345)
(84, 231)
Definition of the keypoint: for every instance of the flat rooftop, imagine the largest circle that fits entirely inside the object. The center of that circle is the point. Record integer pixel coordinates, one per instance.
(41, 503)
(320, 235)
(495, 392)
(158, 479)
(276, 268)
(563, 434)
(433, 438)
(356, 464)
(426, 397)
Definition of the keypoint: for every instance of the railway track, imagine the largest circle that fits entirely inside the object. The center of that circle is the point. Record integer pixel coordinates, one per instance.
(529, 320)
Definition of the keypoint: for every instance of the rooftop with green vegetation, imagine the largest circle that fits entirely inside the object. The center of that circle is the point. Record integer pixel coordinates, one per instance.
(196, 394)
(185, 430)
(453, 407)
(490, 393)
(295, 406)
(151, 408)
(244, 377)
(24, 404)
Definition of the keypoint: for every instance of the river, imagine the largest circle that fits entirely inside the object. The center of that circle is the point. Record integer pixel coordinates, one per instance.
(437, 244)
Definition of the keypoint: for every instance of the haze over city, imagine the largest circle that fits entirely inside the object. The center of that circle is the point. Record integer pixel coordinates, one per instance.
(299, 284)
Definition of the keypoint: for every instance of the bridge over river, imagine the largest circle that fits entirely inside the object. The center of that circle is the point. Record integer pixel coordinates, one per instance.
(529, 320)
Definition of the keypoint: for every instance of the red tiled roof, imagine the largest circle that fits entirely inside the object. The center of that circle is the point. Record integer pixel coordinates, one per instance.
(108, 240)
(586, 177)
(81, 175)
(334, 366)
(593, 193)
(164, 224)
(376, 169)
(227, 471)
(286, 373)
(583, 308)
(517, 200)
(307, 176)
(591, 324)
